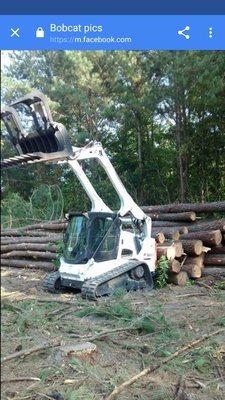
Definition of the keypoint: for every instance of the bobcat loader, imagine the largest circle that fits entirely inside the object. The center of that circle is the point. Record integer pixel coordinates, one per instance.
(103, 249)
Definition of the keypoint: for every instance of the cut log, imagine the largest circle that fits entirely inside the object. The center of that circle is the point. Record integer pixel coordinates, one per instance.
(193, 270)
(158, 236)
(192, 247)
(187, 216)
(171, 223)
(171, 229)
(199, 260)
(28, 239)
(48, 226)
(179, 251)
(168, 233)
(15, 233)
(217, 206)
(29, 246)
(167, 251)
(178, 279)
(209, 238)
(217, 250)
(217, 272)
(174, 266)
(208, 226)
(31, 254)
(48, 266)
(215, 259)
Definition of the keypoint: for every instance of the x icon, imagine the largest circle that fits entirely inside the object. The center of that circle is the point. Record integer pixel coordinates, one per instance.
(15, 32)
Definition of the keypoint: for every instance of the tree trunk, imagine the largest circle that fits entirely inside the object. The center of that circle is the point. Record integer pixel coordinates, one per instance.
(208, 225)
(29, 246)
(178, 279)
(209, 238)
(192, 247)
(28, 264)
(217, 206)
(193, 270)
(214, 259)
(31, 254)
(15, 233)
(185, 216)
(217, 250)
(28, 239)
(171, 229)
(175, 224)
(199, 261)
(218, 272)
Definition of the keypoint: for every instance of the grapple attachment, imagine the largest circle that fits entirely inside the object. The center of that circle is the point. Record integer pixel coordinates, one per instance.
(33, 133)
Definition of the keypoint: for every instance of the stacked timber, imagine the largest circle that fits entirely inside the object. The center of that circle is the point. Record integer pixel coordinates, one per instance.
(32, 246)
(203, 240)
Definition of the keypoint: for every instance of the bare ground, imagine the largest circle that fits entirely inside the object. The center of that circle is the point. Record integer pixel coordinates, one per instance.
(145, 328)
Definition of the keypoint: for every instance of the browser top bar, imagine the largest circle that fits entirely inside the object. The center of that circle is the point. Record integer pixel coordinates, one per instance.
(85, 32)
(113, 7)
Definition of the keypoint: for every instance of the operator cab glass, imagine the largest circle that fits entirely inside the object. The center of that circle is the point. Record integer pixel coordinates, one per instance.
(92, 235)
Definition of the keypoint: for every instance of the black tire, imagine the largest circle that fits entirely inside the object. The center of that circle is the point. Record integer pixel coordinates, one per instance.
(52, 283)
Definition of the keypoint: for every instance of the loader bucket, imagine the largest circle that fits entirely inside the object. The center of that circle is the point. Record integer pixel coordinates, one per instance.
(33, 133)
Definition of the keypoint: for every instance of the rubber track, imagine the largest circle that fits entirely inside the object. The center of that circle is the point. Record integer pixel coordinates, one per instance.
(49, 281)
(88, 290)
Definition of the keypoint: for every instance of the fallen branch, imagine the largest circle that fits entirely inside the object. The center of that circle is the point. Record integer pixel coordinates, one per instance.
(27, 352)
(21, 379)
(153, 368)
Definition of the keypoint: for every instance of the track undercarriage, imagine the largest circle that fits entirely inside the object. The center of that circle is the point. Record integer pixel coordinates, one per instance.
(130, 276)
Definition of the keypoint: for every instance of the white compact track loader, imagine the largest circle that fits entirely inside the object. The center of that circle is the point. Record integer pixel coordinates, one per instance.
(103, 250)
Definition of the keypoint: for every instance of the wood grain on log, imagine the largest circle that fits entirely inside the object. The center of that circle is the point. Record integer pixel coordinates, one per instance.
(208, 226)
(174, 266)
(193, 270)
(198, 260)
(48, 266)
(158, 236)
(217, 250)
(214, 271)
(178, 247)
(28, 239)
(178, 279)
(171, 223)
(215, 259)
(187, 216)
(192, 247)
(209, 238)
(168, 233)
(167, 251)
(15, 254)
(218, 206)
(30, 246)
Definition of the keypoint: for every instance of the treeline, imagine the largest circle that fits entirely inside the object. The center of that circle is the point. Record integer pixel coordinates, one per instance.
(160, 115)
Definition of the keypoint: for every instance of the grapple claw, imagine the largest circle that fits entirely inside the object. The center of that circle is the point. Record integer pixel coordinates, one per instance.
(38, 136)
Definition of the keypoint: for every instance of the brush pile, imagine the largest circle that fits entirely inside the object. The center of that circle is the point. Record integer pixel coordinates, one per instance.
(194, 246)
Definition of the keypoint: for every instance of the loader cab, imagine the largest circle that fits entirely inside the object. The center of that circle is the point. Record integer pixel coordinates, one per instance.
(91, 235)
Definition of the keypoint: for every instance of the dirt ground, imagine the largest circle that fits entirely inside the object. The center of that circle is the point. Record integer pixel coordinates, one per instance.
(140, 329)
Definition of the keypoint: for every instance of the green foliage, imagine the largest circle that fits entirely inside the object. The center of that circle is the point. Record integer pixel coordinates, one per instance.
(160, 115)
(161, 275)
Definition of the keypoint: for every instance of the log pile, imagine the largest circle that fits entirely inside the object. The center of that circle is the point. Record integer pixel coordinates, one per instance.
(203, 242)
(193, 246)
(32, 246)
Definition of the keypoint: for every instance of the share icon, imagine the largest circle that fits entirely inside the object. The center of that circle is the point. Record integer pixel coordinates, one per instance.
(182, 32)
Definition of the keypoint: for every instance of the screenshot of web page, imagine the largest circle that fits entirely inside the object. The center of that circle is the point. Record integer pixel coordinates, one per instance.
(113, 199)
